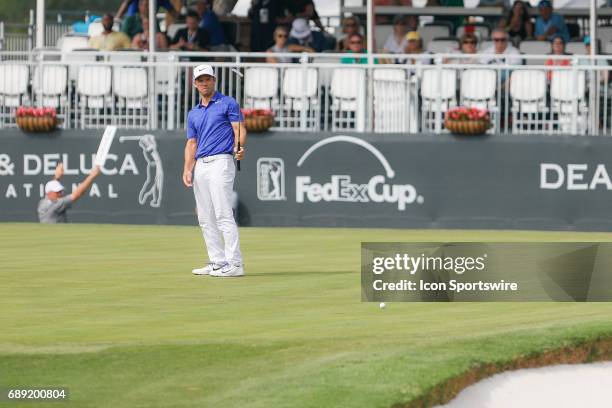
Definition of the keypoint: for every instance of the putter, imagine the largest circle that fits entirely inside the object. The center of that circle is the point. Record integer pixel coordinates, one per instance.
(240, 75)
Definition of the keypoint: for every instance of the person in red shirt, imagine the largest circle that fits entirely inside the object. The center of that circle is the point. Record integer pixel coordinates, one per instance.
(558, 48)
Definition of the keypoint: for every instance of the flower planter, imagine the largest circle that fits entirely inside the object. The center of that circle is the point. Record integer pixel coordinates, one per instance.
(467, 121)
(37, 123)
(467, 127)
(36, 119)
(258, 123)
(258, 120)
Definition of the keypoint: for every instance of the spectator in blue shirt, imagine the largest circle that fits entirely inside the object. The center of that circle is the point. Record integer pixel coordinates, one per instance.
(130, 8)
(210, 23)
(549, 25)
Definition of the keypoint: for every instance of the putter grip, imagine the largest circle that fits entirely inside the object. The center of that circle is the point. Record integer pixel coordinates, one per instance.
(238, 161)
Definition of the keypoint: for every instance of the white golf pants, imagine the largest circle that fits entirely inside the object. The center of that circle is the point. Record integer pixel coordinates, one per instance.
(213, 183)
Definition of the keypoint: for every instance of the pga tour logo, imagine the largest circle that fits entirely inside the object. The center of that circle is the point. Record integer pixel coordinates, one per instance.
(271, 179)
(340, 188)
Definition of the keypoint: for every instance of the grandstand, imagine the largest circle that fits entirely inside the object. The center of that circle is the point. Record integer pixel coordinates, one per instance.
(152, 90)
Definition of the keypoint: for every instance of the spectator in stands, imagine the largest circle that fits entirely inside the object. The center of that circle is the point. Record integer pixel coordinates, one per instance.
(558, 48)
(603, 74)
(356, 46)
(501, 51)
(468, 50)
(396, 41)
(131, 8)
(305, 9)
(549, 24)
(303, 39)
(518, 23)
(265, 16)
(141, 40)
(210, 23)
(192, 37)
(350, 26)
(412, 23)
(281, 35)
(109, 40)
(134, 23)
(414, 45)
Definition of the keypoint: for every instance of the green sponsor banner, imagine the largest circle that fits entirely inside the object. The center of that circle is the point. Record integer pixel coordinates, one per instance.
(486, 272)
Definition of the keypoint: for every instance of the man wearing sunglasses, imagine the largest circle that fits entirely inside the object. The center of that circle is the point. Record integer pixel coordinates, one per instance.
(501, 51)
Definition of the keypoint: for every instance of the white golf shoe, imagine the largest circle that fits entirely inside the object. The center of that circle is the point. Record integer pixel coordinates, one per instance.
(229, 270)
(208, 269)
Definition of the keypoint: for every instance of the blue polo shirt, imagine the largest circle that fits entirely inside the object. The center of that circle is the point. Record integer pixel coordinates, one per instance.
(211, 125)
(555, 20)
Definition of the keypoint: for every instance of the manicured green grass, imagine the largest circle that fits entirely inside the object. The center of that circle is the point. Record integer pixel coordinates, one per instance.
(114, 314)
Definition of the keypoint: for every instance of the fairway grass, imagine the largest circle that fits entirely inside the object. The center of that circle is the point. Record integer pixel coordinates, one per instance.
(114, 314)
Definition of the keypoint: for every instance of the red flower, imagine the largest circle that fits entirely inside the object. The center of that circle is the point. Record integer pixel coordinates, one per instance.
(467, 113)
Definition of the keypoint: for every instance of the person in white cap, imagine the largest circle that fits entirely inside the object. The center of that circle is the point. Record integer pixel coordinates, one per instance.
(213, 128)
(53, 207)
(303, 39)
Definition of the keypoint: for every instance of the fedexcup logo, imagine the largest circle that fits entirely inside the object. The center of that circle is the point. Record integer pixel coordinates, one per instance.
(377, 189)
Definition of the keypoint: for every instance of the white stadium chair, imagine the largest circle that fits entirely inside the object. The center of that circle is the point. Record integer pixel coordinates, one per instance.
(395, 102)
(78, 57)
(381, 33)
(46, 54)
(50, 86)
(531, 47)
(167, 88)
(576, 48)
(325, 74)
(68, 43)
(438, 94)
(260, 87)
(567, 101)
(130, 88)
(348, 94)
(173, 29)
(485, 45)
(604, 35)
(443, 46)
(477, 89)
(126, 57)
(95, 28)
(94, 102)
(14, 79)
(528, 94)
(429, 32)
(297, 90)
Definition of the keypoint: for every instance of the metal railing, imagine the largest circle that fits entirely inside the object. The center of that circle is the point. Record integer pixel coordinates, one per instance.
(316, 92)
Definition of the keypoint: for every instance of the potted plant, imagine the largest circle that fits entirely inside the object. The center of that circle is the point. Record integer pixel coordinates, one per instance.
(258, 120)
(31, 119)
(467, 120)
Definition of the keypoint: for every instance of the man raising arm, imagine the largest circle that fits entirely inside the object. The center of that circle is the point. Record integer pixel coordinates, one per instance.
(53, 207)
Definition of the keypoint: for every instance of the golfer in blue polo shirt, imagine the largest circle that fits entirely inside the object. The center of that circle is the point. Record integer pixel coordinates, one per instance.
(212, 136)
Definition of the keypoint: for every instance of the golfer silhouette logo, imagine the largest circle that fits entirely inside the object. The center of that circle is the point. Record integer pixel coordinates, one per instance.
(152, 188)
(271, 179)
